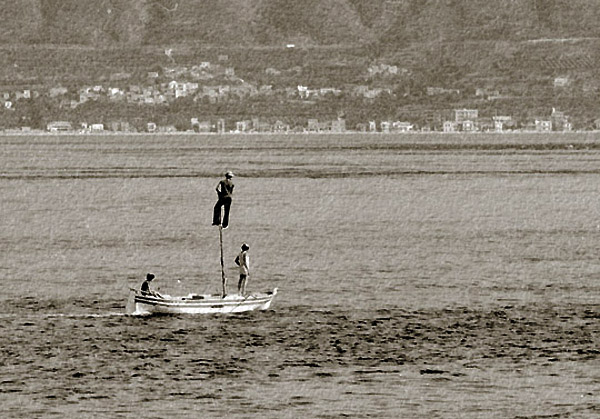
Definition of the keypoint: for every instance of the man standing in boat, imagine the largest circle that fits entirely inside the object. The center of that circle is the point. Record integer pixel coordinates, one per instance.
(243, 260)
(225, 193)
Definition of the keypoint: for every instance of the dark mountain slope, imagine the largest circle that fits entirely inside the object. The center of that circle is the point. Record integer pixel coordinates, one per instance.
(309, 22)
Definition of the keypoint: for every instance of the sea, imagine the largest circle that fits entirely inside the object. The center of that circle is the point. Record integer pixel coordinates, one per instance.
(419, 276)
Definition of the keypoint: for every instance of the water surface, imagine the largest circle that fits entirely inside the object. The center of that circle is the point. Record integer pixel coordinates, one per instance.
(419, 276)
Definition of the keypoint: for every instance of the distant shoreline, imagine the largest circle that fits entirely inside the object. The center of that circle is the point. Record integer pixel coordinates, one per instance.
(295, 134)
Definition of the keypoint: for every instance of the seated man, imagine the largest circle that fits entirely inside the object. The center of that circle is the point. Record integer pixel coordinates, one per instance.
(146, 287)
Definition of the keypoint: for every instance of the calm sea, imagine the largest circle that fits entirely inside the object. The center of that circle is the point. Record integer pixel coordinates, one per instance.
(419, 276)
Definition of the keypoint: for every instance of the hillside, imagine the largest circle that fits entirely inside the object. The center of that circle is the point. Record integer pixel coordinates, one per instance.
(308, 22)
(516, 48)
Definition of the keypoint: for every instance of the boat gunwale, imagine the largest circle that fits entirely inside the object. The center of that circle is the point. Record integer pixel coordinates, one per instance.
(184, 302)
(167, 303)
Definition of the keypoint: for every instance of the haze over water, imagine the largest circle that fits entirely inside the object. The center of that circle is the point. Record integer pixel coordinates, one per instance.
(418, 276)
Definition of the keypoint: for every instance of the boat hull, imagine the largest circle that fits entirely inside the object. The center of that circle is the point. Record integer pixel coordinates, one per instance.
(198, 304)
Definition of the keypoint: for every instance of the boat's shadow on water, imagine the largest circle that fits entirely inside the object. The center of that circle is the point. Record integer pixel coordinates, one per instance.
(199, 317)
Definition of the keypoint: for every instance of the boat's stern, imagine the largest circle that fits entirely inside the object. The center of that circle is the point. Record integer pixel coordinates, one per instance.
(134, 306)
(130, 308)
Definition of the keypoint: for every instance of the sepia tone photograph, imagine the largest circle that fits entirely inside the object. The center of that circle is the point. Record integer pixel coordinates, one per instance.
(300, 209)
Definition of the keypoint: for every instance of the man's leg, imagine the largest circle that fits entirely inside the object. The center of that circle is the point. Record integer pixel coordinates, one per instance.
(243, 290)
(227, 205)
(217, 213)
(240, 284)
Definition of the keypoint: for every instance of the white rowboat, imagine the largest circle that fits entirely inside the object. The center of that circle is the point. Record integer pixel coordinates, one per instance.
(198, 304)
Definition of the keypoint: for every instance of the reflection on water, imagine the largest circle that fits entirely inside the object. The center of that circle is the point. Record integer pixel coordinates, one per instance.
(451, 281)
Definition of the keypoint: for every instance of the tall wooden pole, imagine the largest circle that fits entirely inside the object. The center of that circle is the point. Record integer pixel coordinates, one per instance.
(223, 277)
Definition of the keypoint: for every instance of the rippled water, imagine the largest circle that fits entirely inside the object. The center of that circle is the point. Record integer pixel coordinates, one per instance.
(419, 276)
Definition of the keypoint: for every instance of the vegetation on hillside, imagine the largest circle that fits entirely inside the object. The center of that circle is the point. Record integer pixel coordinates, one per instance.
(308, 22)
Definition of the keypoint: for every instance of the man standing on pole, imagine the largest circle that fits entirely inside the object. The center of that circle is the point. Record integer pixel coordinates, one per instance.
(224, 192)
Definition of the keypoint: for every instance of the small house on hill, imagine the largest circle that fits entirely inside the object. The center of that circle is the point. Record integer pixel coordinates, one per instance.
(59, 126)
